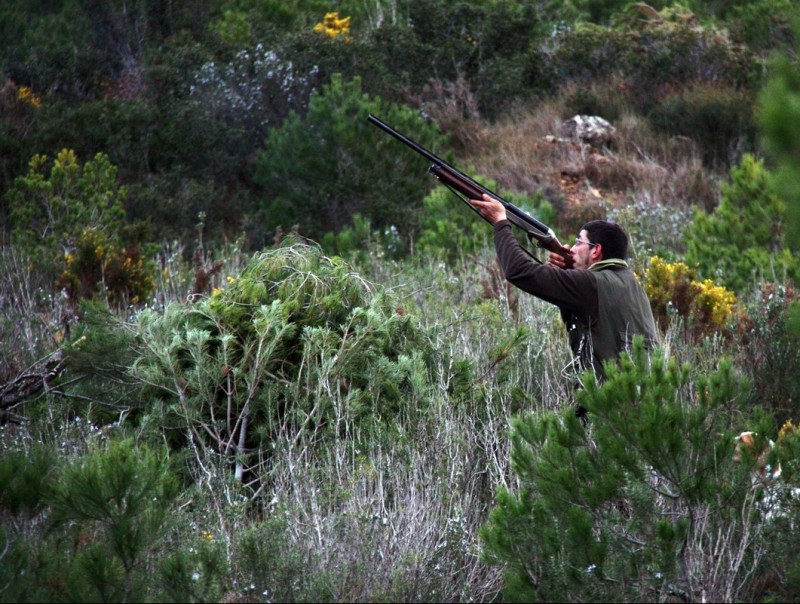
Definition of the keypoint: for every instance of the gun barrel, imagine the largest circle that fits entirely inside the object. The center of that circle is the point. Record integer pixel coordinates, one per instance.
(458, 181)
(404, 139)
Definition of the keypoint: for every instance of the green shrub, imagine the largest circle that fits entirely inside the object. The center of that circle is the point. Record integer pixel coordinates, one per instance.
(272, 567)
(719, 120)
(397, 48)
(651, 58)
(602, 11)
(53, 46)
(195, 571)
(27, 478)
(779, 118)
(323, 168)
(635, 503)
(54, 202)
(71, 218)
(118, 498)
(769, 348)
(87, 529)
(673, 290)
(25, 481)
(743, 238)
(350, 240)
(482, 42)
(359, 242)
(762, 25)
(297, 344)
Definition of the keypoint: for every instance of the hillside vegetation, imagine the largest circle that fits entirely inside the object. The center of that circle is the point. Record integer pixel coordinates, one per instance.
(252, 351)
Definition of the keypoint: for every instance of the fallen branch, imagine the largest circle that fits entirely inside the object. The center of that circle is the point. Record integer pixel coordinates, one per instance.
(28, 383)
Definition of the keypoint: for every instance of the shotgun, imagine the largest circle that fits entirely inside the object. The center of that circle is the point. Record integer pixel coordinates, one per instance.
(466, 189)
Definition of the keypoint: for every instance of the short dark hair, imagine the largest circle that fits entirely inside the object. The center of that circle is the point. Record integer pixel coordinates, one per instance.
(610, 236)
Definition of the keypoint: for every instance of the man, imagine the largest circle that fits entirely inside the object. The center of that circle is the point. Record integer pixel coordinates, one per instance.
(601, 303)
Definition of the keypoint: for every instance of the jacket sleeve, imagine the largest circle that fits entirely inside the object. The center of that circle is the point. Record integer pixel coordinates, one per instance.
(572, 290)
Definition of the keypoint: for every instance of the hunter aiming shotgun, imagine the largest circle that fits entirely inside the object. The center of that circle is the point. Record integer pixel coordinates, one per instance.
(466, 188)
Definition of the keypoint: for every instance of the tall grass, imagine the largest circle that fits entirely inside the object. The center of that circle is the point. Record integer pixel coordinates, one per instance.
(391, 514)
(376, 515)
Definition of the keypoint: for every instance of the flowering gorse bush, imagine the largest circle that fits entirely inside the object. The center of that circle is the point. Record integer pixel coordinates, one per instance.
(97, 265)
(673, 290)
(334, 27)
(56, 201)
(26, 95)
(712, 304)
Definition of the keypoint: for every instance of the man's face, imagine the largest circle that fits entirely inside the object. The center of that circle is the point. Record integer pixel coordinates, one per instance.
(584, 252)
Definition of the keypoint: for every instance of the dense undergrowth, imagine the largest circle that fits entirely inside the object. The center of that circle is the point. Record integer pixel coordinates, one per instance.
(251, 354)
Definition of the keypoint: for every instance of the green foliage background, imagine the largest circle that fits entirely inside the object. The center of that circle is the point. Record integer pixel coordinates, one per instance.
(199, 402)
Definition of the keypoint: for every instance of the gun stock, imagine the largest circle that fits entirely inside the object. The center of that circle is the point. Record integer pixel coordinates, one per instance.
(470, 189)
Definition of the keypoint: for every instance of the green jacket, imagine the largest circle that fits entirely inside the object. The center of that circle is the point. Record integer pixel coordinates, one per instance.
(603, 307)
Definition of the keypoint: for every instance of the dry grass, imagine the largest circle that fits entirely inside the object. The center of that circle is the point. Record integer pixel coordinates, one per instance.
(524, 153)
(34, 320)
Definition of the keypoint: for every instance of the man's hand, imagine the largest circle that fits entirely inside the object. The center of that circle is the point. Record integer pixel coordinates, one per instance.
(557, 260)
(491, 209)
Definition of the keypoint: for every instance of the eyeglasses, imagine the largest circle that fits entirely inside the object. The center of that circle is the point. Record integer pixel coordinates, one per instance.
(578, 241)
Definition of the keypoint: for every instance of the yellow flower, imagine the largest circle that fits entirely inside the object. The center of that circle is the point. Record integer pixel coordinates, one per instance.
(25, 94)
(786, 429)
(231, 279)
(334, 27)
(716, 301)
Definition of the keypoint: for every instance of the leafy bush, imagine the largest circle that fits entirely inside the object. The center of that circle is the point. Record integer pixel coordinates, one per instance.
(651, 58)
(53, 203)
(274, 568)
(673, 290)
(743, 238)
(631, 507)
(482, 42)
(761, 24)
(52, 47)
(72, 219)
(123, 492)
(96, 265)
(360, 242)
(719, 120)
(323, 168)
(297, 344)
(779, 118)
(113, 504)
(769, 348)
(398, 47)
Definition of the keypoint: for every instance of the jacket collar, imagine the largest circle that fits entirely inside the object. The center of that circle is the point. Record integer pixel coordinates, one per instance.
(610, 263)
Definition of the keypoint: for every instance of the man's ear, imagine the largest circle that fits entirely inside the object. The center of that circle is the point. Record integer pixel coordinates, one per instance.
(597, 252)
